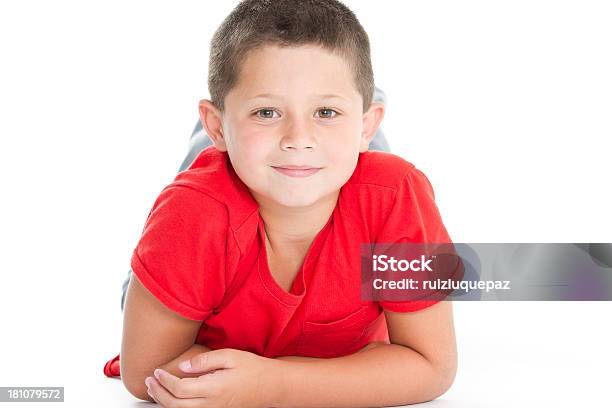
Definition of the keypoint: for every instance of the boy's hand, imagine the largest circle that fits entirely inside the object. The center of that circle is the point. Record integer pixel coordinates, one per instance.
(231, 378)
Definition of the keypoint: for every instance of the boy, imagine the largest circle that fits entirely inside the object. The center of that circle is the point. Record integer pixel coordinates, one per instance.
(272, 217)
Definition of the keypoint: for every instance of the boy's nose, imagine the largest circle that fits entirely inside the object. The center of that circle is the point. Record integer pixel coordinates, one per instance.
(298, 136)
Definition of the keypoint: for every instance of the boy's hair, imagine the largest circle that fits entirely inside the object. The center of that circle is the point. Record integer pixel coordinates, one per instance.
(257, 23)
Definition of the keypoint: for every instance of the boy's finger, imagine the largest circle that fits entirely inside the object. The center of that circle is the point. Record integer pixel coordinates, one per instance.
(184, 387)
(208, 361)
(164, 398)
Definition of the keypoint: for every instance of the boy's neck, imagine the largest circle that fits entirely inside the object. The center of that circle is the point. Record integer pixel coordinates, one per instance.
(295, 225)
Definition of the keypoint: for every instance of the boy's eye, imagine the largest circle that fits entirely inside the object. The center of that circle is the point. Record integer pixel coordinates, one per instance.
(330, 111)
(267, 113)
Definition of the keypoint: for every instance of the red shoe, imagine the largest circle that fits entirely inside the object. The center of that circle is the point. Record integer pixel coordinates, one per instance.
(111, 368)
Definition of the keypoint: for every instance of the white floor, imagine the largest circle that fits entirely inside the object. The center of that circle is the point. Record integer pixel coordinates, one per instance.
(511, 354)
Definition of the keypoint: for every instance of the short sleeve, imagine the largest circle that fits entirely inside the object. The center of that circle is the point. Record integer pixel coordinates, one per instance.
(181, 251)
(414, 217)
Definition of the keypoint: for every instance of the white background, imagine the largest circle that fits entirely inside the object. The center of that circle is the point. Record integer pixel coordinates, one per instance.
(505, 105)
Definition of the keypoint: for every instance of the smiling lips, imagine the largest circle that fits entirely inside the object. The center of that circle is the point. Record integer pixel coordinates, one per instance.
(296, 171)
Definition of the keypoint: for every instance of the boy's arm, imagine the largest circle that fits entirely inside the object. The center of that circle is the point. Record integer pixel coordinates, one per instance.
(419, 365)
(152, 335)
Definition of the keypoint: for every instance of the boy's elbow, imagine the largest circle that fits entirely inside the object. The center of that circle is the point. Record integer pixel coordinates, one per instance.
(447, 380)
(444, 377)
(134, 383)
(137, 390)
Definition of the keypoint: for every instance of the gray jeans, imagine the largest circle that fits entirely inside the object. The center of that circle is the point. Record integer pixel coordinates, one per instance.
(199, 140)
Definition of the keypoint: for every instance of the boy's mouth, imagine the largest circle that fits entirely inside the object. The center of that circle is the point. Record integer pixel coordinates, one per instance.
(296, 171)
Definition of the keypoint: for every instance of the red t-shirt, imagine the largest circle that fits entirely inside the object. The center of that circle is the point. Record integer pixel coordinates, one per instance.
(205, 227)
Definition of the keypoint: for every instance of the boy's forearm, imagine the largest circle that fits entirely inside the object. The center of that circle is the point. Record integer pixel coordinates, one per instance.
(172, 365)
(386, 375)
(301, 358)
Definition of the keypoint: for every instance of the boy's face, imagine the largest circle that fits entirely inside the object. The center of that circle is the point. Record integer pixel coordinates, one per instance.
(296, 123)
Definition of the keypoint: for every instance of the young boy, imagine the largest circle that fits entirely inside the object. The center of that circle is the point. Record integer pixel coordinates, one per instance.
(248, 267)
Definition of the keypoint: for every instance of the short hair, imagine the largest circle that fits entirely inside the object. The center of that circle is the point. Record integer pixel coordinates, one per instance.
(254, 24)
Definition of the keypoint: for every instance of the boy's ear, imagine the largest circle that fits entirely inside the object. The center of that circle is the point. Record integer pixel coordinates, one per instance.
(212, 121)
(371, 121)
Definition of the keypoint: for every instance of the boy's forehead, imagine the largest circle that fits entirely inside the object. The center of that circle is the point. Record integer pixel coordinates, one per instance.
(276, 73)
(328, 96)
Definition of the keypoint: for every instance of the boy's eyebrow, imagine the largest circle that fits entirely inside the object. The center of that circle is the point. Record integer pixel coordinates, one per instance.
(325, 96)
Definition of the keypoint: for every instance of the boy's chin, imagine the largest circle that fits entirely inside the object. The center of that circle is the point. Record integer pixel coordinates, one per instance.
(296, 200)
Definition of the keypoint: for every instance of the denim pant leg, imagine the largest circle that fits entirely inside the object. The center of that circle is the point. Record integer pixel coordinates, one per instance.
(200, 140)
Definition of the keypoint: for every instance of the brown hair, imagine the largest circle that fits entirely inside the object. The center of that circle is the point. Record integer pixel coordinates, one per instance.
(257, 23)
